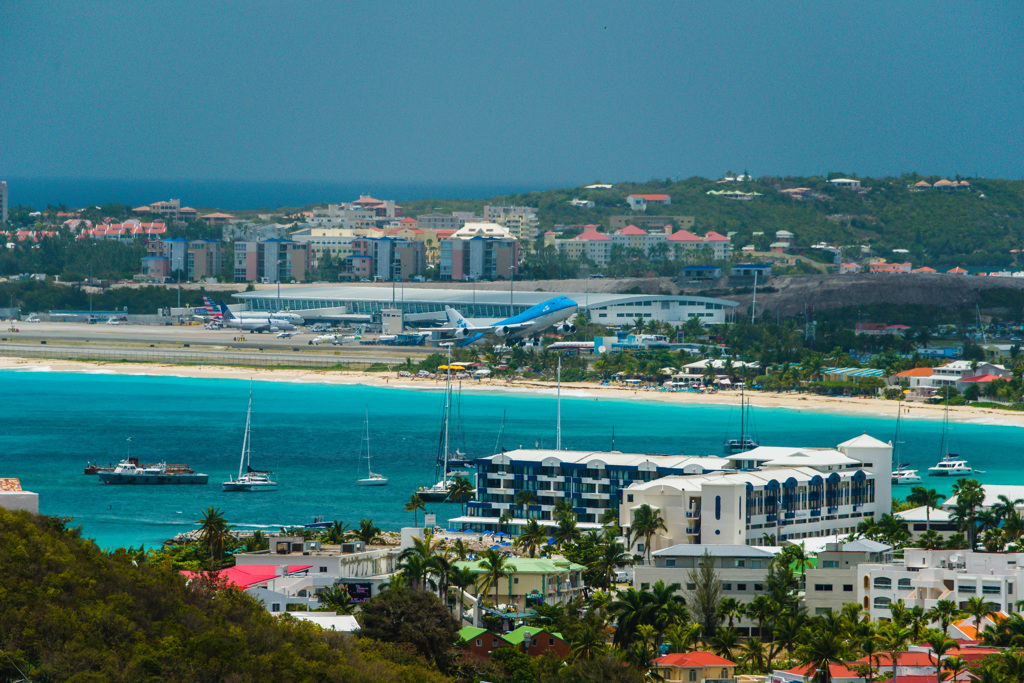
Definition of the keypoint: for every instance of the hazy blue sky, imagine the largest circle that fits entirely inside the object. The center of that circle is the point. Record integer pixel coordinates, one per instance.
(538, 92)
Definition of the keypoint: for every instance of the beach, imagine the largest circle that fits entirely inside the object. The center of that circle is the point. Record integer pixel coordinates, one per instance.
(616, 392)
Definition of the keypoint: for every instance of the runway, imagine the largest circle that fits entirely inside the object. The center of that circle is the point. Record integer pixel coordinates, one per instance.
(190, 344)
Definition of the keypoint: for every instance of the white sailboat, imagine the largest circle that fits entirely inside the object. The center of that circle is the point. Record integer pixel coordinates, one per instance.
(249, 479)
(372, 478)
(951, 464)
(746, 442)
(902, 475)
(438, 492)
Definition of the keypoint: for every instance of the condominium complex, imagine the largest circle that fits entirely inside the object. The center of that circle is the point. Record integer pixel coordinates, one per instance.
(833, 582)
(273, 260)
(385, 258)
(478, 257)
(194, 259)
(927, 576)
(679, 245)
(521, 221)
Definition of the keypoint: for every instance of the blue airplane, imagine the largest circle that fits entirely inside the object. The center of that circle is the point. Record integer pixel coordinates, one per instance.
(530, 323)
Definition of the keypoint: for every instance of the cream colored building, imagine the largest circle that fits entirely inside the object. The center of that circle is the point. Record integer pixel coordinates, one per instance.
(555, 581)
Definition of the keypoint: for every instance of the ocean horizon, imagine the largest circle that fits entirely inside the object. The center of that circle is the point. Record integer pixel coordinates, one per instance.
(311, 436)
(241, 195)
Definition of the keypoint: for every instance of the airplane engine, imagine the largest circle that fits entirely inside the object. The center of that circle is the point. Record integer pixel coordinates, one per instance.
(501, 332)
(566, 328)
(461, 333)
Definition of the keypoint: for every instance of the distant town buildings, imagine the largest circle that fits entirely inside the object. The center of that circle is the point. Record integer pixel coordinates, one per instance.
(639, 202)
(479, 251)
(846, 183)
(385, 258)
(171, 208)
(680, 245)
(195, 259)
(520, 221)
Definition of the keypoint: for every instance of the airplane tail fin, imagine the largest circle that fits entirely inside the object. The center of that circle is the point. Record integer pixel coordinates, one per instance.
(211, 310)
(226, 312)
(454, 317)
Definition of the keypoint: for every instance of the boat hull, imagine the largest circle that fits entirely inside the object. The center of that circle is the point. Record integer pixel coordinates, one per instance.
(152, 479)
(372, 482)
(247, 486)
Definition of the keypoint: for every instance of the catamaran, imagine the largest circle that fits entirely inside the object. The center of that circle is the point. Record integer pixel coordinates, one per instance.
(372, 478)
(745, 442)
(249, 479)
(902, 475)
(438, 492)
(951, 464)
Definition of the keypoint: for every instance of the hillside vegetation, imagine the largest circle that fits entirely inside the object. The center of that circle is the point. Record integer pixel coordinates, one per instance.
(68, 611)
(942, 229)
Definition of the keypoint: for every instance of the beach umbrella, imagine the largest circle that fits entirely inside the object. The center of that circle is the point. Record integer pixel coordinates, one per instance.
(495, 547)
(551, 540)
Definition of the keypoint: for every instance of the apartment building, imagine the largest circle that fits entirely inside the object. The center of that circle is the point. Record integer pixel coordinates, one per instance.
(521, 221)
(195, 259)
(478, 257)
(648, 222)
(680, 245)
(385, 258)
(833, 582)
(927, 576)
(274, 260)
(639, 202)
(343, 216)
(769, 495)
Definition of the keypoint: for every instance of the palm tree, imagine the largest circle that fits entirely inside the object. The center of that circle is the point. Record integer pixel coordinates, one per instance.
(566, 532)
(648, 521)
(214, 531)
(940, 645)
(464, 579)
(588, 641)
(1004, 507)
(525, 499)
(460, 549)
(495, 567)
(820, 648)
(895, 638)
(928, 498)
(681, 636)
(629, 609)
(414, 505)
(531, 537)
(336, 533)
(955, 665)
(729, 608)
(724, 641)
(977, 607)
(945, 612)
(460, 491)
(337, 599)
(612, 555)
(367, 532)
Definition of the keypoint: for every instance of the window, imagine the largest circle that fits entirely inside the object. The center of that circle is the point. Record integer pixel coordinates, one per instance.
(275, 607)
(670, 563)
(693, 674)
(989, 589)
(830, 564)
(494, 643)
(823, 587)
(551, 642)
(725, 673)
(903, 584)
(882, 602)
(691, 586)
(323, 570)
(515, 579)
(847, 587)
(479, 642)
(726, 586)
(967, 588)
(883, 582)
(741, 586)
(629, 497)
(755, 564)
(740, 564)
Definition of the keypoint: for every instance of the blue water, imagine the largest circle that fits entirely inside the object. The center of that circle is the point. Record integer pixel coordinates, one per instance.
(310, 435)
(239, 195)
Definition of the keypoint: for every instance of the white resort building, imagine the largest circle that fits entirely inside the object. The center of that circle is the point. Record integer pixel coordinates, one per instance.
(782, 494)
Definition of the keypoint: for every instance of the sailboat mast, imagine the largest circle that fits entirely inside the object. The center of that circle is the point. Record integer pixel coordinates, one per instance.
(447, 410)
(558, 426)
(743, 421)
(245, 439)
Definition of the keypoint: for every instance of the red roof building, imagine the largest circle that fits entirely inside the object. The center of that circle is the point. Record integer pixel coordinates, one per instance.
(590, 235)
(693, 666)
(247, 576)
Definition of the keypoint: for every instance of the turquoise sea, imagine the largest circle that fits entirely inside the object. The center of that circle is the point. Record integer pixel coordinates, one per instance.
(310, 435)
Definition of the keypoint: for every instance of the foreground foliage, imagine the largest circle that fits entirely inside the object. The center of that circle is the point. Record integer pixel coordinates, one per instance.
(72, 612)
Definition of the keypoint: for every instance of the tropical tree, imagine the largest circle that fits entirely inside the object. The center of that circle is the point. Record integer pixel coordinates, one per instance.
(955, 665)
(461, 490)
(567, 531)
(531, 537)
(612, 555)
(729, 609)
(939, 644)
(524, 499)
(495, 567)
(945, 612)
(724, 642)
(336, 599)
(977, 607)
(464, 579)
(894, 638)
(704, 597)
(928, 498)
(367, 532)
(821, 645)
(414, 505)
(647, 521)
(214, 531)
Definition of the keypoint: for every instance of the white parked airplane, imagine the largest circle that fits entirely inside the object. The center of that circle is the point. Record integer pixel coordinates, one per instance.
(335, 339)
(32, 319)
(287, 334)
(265, 324)
(530, 323)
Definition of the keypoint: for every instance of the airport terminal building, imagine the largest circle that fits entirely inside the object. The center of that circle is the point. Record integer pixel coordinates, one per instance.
(426, 305)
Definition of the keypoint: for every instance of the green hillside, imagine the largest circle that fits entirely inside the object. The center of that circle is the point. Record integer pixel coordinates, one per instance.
(968, 227)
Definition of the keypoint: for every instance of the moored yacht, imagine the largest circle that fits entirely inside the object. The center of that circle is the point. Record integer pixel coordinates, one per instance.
(950, 466)
(903, 476)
